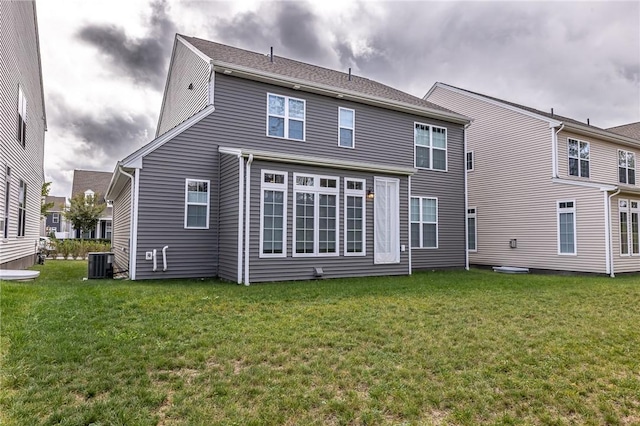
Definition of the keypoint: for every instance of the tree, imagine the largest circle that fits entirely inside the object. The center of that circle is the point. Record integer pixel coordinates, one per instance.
(84, 212)
(45, 207)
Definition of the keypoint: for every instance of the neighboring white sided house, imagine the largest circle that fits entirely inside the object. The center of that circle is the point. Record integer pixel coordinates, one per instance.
(545, 191)
(22, 127)
(94, 184)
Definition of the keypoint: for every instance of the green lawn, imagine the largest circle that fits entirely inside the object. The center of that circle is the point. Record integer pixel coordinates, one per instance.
(434, 348)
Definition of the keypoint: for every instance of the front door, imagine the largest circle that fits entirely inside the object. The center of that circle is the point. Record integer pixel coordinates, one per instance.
(386, 220)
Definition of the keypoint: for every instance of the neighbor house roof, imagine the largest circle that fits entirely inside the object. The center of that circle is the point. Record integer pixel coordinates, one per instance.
(83, 180)
(631, 130)
(58, 202)
(302, 73)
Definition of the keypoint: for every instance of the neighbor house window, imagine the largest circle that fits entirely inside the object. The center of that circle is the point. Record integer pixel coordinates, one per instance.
(472, 233)
(469, 160)
(430, 145)
(424, 222)
(629, 232)
(55, 218)
(578, 158)
(346, 127)
(273, 215)
(285, 117)
(566, 227)
(354, 217)
(315, 212)
(7, 199)
(626, 167)
(107, 230)
(196, 209)
(22, 117)
(22, 208)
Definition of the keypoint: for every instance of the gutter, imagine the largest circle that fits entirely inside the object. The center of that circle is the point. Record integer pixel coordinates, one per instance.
(247, 222)
(466, 203)
(132, 260)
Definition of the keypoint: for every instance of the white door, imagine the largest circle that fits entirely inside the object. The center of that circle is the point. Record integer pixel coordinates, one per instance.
(386, 220)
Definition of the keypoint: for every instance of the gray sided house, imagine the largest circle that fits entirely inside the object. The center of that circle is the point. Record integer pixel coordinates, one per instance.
(93, 183)
(54, 220)
(22, 127)
(265, 169)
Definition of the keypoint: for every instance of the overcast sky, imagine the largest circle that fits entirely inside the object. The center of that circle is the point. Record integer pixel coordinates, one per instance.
(105, 62)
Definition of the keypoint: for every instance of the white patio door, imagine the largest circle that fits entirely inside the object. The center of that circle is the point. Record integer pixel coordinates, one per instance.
(386, 220)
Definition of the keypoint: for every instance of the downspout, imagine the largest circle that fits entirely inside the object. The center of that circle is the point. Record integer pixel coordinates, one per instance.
(554, 153)
(132, 272)
(247, 206)
(409, 217)
(240, 216)
(607, 230)
(466, 202)
(211, 83)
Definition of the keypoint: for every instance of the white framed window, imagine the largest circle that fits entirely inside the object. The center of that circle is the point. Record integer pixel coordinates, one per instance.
(355, 211)
(22, 208)
(424, 222)
(107, 229)
(469, 161)
(315, 213)
(472, 230)
(430, 147)
(346, 128)
(273, 214)
(196, 204)
(566, 227)
(7, 200)
(22, 117)
(55, 218)
(626, 167)
(579, 152)
(629, 232)
(286, 117)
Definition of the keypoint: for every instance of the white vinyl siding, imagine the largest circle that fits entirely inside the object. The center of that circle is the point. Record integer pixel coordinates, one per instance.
(424, 222)
(7, 203)
(472, 235)
(196, 209)
(579, 158)
(566, 227)
(273, 214)
(315, 212)
(629, 233)
(285, 117)
(346, 127)
(354, 217)
(430, 147)
(626, 167)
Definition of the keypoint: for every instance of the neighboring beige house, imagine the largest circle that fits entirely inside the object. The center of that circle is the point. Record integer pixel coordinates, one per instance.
(93, 183)
(545, 191)
(22, 127)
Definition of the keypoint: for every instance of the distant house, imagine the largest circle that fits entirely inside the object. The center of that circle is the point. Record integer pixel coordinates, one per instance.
(95, 184)
(22, 127)
(265, 168)
(547, 191)
(54, 221)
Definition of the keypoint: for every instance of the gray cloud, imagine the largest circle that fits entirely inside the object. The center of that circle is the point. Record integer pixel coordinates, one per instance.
(145, 59)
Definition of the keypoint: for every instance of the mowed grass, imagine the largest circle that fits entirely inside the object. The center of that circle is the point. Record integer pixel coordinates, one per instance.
(472, 347)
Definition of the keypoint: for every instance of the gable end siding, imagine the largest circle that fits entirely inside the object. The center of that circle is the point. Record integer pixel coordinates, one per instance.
(120, 244)
(228, 225)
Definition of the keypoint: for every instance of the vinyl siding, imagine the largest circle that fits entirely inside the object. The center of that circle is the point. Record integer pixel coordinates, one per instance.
(120, 237)
(20, 67)
(511, 187)
(228, 224)
(622, 263)
(180, 102)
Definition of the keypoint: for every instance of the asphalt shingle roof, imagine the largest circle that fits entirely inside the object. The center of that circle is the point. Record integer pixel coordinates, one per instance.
(631, 130)
(302, 71)
(83, 180)
(58, 202)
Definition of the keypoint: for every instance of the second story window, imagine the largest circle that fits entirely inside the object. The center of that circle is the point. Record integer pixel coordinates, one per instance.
(430, 147)
(22, 117)
(469, 161)
(346, 127)
(285, 117)
(626, 167)
(578, 158)
(55, 218)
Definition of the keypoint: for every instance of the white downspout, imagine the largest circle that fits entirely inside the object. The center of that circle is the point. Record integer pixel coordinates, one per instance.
(466, 202)
(240, 216)
(211, 83)
(247, 220)
(164, 258)
(155, 261)
(554, 147)
(131, 251)
(409, 217)
(607, 227)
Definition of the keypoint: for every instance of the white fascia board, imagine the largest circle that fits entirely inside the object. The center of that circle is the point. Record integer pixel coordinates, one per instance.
(194, 49)
(134, 160)
(552, 123)
(280, 157)
(166, 85)
(602, 134)
(596, 185)
(332, 91)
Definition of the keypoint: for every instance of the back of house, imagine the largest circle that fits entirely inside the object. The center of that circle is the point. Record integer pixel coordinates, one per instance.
(265, 168)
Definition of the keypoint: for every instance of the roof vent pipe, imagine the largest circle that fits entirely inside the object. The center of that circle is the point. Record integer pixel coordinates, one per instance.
(588, 122)
(552, 112)
(271, 54)
(349, 74)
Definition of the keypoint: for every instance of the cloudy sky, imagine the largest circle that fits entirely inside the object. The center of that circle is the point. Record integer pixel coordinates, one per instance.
(105, 62)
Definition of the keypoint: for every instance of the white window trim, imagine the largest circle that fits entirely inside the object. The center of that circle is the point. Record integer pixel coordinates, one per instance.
(473, 161)
(629, 210)
(317, 190)
(6, 209)
(421, 222)
(186, 202)
(578, 158)
(287, 118)
(22, 208)
(627, 168)
(352, 128)
(431, 147)
(473, 215)
(55, 218)
(274, 187)
(575, 226)
(356, 193)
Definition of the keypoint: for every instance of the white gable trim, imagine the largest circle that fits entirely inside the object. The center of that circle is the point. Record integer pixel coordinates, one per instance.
(193, 48)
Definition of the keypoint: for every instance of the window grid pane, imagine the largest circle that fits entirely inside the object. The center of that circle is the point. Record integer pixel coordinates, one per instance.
(354, 224)
(327, 219)
(566, 233)
(273, 222)
(305, 220)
